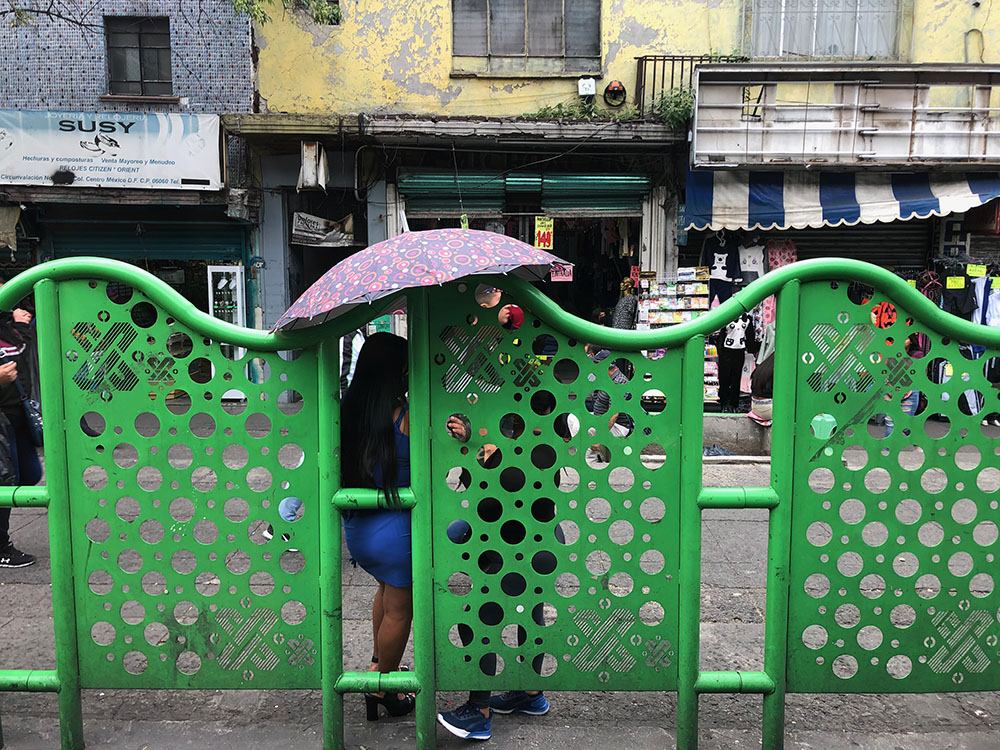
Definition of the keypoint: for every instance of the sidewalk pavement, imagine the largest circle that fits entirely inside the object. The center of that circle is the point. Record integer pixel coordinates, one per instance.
(733, 610)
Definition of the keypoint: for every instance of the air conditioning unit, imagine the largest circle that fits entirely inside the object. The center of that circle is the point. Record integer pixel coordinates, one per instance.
(314, 173)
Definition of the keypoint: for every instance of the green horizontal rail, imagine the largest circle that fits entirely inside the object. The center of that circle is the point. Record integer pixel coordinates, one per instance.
(734, 682)
(737, 497)
(24, 497)
(364, 499)
(29, 680)
(377, 682)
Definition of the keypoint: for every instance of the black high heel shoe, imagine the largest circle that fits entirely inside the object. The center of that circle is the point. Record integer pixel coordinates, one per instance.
(392, 702)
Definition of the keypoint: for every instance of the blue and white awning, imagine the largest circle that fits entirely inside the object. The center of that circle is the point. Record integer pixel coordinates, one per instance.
(796, 200)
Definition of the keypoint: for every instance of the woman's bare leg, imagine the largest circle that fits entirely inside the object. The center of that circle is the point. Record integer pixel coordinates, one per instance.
(394, 629)
(377, 614)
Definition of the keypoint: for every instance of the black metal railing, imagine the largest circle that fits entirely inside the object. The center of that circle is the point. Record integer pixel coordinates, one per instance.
(655, 75)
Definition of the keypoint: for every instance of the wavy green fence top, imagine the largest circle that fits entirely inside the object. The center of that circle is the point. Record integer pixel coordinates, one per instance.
(811, 270)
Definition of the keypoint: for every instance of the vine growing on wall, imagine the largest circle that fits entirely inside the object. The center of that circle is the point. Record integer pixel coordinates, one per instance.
(320, 11)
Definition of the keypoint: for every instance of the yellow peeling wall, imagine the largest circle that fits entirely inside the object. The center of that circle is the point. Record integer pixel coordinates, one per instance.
(393, 57)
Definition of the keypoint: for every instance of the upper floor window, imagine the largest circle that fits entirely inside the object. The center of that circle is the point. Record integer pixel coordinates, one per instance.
(138, 55)
(858, 29)
(526, 36)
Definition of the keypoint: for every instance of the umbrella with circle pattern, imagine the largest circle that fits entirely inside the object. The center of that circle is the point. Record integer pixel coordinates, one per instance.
(414, 259)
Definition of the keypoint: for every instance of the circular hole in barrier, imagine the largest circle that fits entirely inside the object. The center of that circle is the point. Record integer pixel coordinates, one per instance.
(819, 533)
(261, 583)
(183, 561)
(852, 511)
(188, 662)
(964, 511)
(905, 564)
(902, 616)
(186, 613)
(817, 585)
(927, 586)
(850, 564)
(566, 371)
(97, 530)
(981, 585)
(143, 314)
(908, 511)
(875, 534)
(130, 561)
(872, 586)
(200, 370)
(821, 480)
(132, 612)
(100, 582)
(154, 583)
(293, 612)
(652, 561)
(207, 583)
(151, 531)
(651, 613)
(156, 634)
(567, 585)
(179, 456)
(814, 637)
(930, 534)
(985, 533)
(135, 662)
(290, 402)
(92, 424)
(899, 666)
(511, 425)
(103, 633)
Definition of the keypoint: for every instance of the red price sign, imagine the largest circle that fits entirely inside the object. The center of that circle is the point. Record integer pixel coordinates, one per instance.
(543, 232)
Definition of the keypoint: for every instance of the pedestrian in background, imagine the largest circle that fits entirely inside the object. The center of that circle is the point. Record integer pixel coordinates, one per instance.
(17, 342)
(375, 452)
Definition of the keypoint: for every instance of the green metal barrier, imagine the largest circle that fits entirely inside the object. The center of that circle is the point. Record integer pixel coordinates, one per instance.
(570, 557)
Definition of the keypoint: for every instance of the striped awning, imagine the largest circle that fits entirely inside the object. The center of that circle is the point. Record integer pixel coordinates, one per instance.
(796, 200)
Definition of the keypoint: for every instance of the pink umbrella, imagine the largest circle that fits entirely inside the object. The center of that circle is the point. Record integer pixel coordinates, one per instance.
(413, 259)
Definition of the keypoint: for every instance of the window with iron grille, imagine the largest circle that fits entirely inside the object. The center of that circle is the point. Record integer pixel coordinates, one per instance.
(138, 55)
(526, 36)
(852, 29)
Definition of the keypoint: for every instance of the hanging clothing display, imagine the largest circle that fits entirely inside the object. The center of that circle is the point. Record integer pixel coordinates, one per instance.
(721, 256)
(779, 253)
(751, 262)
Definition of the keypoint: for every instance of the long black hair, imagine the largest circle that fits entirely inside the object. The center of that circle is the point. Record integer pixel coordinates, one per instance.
(366, 414)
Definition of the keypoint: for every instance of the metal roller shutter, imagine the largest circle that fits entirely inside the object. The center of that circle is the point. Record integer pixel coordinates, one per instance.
(900, 244)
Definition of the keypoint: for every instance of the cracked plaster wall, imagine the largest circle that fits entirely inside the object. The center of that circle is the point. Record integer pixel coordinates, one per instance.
(385, 58)
(388, 59)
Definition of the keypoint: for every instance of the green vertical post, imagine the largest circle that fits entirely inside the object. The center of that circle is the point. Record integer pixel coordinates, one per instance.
(420, 522)
(330, 563)
(689, 575)
(780, 518)
(60, 525)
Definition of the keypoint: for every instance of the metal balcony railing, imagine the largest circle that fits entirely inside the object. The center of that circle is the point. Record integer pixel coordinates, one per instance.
(655, 75)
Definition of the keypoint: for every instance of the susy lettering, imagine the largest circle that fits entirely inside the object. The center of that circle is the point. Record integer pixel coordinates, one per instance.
(105, 126)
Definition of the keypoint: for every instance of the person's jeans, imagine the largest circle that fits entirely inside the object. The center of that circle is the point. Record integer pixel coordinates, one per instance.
(27, 470)
(909, 406)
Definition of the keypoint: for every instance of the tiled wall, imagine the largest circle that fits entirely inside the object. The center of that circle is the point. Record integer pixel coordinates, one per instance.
(55, 65)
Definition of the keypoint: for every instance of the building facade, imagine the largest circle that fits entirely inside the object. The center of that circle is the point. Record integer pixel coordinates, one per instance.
(112, 145)
(482, 109)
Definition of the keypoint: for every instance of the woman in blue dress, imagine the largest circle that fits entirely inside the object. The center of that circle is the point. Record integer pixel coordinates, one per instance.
(375, 452)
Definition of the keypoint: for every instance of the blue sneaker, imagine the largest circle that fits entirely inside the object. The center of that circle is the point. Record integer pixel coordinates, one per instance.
(518, 701)
(466, 722)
